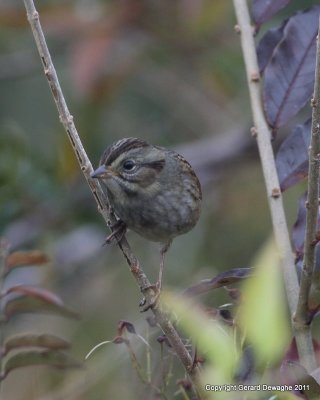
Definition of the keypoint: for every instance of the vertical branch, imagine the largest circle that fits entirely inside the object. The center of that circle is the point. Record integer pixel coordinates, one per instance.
(86, 167)
(4, 250)
(312, 205)
(262, 133)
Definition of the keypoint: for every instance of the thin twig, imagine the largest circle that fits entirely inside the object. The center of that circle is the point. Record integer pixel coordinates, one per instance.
(312, 205)
(4, 250)
(86, 167)
(262, 133)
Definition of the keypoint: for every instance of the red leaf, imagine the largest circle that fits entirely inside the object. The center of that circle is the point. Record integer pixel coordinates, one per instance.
(35, 300)
(48, 341)
(34, 291)
(30, 358)
(25, 258)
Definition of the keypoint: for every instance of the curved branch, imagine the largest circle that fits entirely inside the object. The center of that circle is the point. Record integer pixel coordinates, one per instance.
(86, 167)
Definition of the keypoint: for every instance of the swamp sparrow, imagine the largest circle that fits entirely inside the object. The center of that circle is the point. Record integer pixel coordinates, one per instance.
(152, 190)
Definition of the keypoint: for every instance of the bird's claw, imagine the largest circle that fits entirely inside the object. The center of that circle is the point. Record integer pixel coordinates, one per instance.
(118, 231)
(153, 300)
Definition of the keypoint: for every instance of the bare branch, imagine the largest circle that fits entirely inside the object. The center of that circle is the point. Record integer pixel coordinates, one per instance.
(86, 167)
(4, 251)
(312, 205)
(262, 134)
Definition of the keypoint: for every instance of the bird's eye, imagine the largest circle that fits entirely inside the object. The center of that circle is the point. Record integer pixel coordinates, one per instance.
(128, 165)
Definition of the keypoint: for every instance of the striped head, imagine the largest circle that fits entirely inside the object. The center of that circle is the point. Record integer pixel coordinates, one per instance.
(130, 165)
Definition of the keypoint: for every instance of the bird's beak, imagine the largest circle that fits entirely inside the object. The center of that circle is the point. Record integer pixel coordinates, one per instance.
(101, 172)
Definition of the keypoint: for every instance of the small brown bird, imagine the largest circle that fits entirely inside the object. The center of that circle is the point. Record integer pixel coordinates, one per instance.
(152, 190)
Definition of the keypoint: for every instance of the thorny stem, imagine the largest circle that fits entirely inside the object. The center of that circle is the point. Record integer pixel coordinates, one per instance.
(86, 167)
(262, 134)
(309, 274)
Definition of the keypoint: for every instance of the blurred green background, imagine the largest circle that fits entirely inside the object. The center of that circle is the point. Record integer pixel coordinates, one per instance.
(170, 72)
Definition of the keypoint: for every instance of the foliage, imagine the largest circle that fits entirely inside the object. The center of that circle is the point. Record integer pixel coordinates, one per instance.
(152, 68)
(29, 349)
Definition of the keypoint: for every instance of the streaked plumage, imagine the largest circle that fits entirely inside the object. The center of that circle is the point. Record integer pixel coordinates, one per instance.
(153, 190)
(161, 198)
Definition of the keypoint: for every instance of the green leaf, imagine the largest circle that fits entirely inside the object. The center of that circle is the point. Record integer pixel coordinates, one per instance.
(262, 313)
(213, 340)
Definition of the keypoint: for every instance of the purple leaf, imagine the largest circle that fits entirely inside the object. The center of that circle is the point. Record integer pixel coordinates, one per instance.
(299, 228)
(119, 340)
(262, 10)
(291, 372)
(185, 383)
(246, 365)
(125, 325)
(299, 376)
(289, 76)
(163, 339)
(267, 44)
(222, 279)
(292, 158)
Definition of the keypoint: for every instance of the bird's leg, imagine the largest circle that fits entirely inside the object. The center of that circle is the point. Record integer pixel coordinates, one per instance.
(157, 286)
(118, 230)
(163, 251)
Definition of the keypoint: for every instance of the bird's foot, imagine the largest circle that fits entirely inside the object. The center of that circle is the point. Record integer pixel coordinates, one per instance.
(153, 297)
(118, 231)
